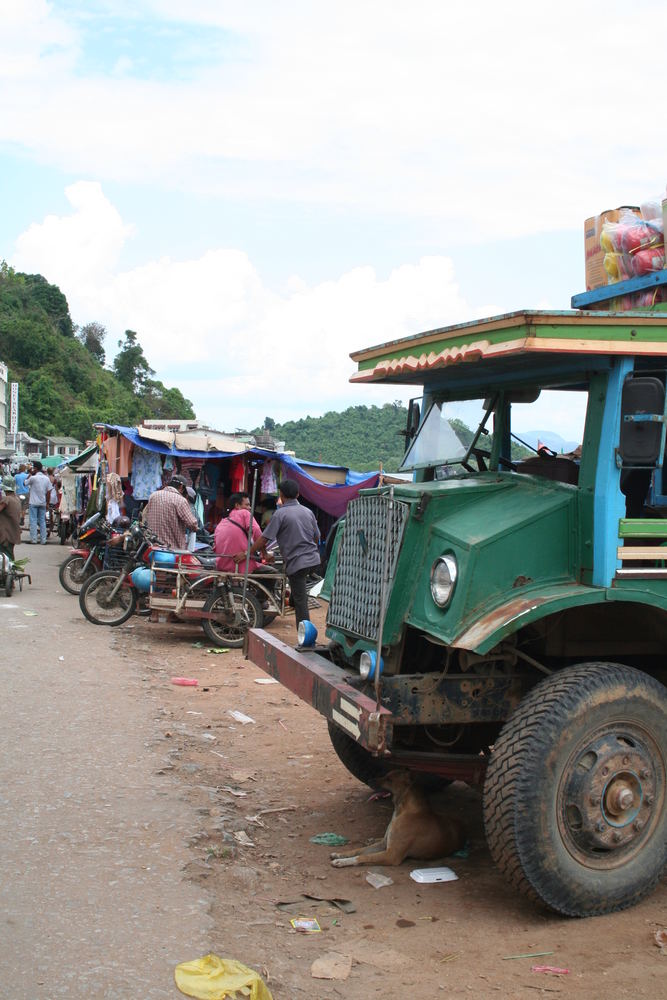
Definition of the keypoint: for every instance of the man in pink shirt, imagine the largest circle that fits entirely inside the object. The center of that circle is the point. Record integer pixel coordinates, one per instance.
(231, 535)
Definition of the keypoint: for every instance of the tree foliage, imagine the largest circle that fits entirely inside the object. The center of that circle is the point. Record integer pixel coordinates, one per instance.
(130, 366)
(92, 336)
(63, 386)
(360, 438)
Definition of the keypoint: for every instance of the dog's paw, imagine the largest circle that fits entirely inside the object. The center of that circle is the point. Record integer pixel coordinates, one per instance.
(333, 855)
(343, 862)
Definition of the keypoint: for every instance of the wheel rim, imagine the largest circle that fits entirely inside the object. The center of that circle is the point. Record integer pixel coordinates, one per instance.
(99, 605)
(74, 571)
(610, 796)
(225, 626)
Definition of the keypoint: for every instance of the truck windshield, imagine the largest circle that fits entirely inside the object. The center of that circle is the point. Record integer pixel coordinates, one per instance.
(446, 435)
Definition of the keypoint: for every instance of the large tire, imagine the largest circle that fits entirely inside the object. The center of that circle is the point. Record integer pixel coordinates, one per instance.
(371, 770)
(223, 630)
(93, 600)
(360, 762)
(574, 797)
(71, 574)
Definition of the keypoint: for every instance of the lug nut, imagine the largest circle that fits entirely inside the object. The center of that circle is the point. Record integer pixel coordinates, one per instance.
(643, 773)
(616, 837)
(599, 826)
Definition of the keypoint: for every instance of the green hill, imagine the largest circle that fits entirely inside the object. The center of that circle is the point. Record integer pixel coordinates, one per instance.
(63, 384)
(361, 437)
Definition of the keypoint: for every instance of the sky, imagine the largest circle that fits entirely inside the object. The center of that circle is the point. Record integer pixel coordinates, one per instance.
(258, 189)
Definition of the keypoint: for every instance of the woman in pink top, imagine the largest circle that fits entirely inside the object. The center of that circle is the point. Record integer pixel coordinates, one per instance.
(231, 535)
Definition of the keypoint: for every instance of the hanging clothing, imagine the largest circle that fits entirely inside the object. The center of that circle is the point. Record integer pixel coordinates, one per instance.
(237, 475)
(113, 511)
(114, 487)
(146, 473)
(268, 480)
(209, 480)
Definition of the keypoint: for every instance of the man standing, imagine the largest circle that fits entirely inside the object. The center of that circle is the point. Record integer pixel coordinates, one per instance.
(232, 532)
(295, 530)
(39, 486)
(22, 489)
(168, 514)
(10, 517)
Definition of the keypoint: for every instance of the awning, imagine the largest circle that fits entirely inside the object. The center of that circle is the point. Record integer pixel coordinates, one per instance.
(332, 498)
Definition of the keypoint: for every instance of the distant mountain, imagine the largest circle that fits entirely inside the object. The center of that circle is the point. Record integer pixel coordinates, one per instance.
(550, 439)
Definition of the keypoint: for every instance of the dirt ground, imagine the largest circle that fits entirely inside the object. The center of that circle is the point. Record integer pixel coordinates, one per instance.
(244, 799)
(276, 782)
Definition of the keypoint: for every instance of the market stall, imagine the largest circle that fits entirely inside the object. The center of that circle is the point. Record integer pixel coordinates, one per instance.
(136, 461)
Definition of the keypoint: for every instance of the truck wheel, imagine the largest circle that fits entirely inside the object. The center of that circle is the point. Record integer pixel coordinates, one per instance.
(574, 797)
(359, 761)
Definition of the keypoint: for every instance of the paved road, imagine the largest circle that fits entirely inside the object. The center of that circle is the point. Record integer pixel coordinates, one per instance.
(93, 902)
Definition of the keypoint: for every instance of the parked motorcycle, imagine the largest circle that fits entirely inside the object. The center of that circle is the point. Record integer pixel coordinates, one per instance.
(88, 557)
(179, 586)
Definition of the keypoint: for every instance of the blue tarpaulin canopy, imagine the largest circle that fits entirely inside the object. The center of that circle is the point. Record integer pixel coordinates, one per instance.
(330, 497)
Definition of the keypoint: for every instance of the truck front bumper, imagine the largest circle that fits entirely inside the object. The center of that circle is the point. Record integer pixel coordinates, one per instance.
(322, 684)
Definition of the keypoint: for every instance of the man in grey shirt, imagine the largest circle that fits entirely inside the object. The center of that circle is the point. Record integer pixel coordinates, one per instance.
(40, 486)
(295, 530)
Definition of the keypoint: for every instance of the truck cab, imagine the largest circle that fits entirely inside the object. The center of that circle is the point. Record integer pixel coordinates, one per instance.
(502, 618)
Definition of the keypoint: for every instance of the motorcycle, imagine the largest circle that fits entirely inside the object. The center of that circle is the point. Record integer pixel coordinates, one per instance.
(179, 586)
(88, 557)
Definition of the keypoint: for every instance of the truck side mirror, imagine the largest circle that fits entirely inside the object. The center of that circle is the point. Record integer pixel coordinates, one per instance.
(412, 423)
(642, 419)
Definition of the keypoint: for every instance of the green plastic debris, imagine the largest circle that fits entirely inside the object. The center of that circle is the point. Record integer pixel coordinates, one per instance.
(330, 839)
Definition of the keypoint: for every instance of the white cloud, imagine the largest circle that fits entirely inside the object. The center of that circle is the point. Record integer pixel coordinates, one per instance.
(497, 120)
(261, 352)
(80, 248)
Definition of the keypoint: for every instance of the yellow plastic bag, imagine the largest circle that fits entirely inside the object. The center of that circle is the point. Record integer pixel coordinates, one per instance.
(214, 978)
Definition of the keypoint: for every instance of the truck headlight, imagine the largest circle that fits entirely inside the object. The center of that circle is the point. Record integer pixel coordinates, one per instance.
(443, 579)
(306, 634)
(367, 662)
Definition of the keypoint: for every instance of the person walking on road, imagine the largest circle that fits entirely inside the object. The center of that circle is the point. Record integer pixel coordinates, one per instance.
(169, 515)
(10, 517)
(39, 486)
(295, 530)
(22, 489)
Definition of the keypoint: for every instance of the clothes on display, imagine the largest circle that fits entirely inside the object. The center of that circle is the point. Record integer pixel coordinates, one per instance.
(114, 487)
(268, 479)
(146, 475)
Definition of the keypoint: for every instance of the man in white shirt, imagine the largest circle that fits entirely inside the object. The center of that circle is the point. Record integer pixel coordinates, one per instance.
(39, 486)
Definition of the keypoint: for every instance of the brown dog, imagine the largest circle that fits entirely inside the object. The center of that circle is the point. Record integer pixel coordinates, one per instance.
(414, 831)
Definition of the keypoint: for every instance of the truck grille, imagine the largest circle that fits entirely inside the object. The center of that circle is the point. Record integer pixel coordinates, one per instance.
(357, 584)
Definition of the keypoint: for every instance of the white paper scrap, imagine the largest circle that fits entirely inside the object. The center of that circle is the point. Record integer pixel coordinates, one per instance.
(240, 717)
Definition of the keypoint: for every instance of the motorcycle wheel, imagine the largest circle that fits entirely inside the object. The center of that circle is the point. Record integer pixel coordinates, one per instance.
(96, 606)
(223, 630)
(71, 573)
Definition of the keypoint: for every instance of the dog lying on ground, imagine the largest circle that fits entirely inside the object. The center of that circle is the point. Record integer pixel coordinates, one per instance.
(414, 831)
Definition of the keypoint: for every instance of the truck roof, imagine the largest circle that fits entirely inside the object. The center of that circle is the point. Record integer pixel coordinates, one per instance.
(529, 343)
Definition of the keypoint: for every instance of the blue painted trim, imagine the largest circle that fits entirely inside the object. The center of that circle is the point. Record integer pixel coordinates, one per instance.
(585, 300)
(608, 501)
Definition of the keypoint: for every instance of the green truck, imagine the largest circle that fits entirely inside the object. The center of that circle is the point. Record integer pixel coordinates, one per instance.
(501, 618)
